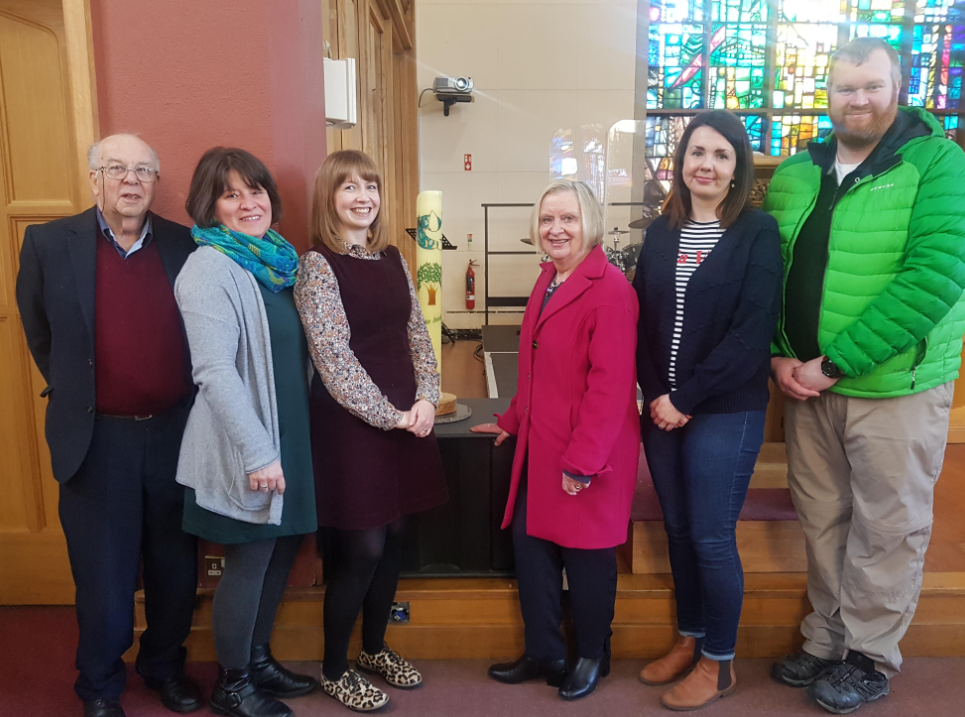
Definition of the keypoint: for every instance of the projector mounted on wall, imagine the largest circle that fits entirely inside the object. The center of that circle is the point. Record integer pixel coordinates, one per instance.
(340, 93)
(450, 90)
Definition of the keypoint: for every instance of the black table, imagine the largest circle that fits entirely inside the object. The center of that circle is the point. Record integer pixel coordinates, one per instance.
(463, 536)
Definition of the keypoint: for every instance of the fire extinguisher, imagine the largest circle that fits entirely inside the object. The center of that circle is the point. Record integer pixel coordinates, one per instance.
(471, 286)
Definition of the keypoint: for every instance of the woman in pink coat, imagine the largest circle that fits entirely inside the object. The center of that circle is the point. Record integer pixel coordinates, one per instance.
(577, 426)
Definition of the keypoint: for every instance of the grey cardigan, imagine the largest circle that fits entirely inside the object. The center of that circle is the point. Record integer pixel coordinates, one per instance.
(232, 429)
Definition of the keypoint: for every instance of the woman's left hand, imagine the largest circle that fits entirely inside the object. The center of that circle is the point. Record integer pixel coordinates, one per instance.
(572, 486)
(423, 416)
(665, 416)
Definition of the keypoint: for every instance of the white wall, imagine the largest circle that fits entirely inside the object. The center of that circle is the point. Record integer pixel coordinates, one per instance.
(538, 66)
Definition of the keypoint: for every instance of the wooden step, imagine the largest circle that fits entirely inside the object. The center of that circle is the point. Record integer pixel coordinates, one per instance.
(467, 618)
(765, 546)
(771, 468)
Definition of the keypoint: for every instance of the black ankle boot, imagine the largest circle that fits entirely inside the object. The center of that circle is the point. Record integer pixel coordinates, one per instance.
(529, 668)
(275, 679)
(583, 677)
(236, 695)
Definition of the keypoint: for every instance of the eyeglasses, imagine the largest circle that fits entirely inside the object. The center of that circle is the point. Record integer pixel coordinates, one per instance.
(119, 171)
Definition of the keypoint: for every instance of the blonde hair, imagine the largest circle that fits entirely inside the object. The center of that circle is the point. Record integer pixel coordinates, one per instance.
(338, 167)
(591, 212)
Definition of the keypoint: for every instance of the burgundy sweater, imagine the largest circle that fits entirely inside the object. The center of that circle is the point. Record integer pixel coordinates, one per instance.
(142, 360)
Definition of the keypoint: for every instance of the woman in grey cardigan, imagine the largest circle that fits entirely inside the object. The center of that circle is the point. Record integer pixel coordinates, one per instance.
(246, 453)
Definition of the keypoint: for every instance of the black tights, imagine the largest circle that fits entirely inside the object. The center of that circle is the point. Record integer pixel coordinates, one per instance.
(361, 572)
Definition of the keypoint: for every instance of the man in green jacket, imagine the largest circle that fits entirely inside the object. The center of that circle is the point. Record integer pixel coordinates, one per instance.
(867, 349)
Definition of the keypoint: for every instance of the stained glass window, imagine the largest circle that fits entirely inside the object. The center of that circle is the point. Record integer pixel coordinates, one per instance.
(676, 69)
(790, 133)
(773, 57)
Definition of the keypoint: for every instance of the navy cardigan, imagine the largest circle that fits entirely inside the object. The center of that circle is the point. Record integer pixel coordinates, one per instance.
(730, 314)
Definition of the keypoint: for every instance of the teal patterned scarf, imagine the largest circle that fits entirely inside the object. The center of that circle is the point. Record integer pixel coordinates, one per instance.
(272, 260)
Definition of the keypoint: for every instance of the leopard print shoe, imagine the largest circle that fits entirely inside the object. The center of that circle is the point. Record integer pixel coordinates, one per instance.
(355, 692)
(396, 671)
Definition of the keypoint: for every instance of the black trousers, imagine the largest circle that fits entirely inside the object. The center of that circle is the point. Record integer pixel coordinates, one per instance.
(592, 579)
(123, 505)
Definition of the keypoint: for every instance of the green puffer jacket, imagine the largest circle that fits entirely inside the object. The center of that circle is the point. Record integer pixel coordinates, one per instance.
(892, 309)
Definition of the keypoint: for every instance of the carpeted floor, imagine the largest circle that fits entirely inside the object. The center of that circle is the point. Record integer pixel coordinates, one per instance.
(36, 677)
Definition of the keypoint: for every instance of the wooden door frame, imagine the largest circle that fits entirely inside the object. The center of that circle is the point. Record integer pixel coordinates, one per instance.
(83, 85)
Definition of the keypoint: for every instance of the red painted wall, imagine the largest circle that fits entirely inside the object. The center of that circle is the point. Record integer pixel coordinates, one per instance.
(189, 75)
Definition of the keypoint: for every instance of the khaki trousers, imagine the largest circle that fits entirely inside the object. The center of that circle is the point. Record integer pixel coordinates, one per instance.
(862, 475)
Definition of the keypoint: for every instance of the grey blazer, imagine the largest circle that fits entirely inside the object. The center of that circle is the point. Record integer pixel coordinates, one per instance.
(233, 426)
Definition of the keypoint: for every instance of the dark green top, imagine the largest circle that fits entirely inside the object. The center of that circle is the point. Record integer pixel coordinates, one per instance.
(289, 358)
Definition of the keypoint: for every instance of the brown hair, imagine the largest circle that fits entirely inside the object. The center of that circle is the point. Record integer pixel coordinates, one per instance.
(338, 167)
(859, 50)
(210, 181)
(737, 199)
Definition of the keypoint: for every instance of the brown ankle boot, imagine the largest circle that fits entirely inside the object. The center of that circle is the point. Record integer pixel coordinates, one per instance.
(708, 681)
(674, 664)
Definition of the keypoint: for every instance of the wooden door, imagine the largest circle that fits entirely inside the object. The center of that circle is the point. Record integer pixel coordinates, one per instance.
(44, 130)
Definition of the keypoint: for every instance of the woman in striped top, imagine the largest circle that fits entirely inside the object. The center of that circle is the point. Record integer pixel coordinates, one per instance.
(708, 281)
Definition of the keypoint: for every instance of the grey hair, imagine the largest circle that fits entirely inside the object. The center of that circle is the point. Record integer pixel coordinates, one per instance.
(94, 151)
(859, 50)
(591, 212)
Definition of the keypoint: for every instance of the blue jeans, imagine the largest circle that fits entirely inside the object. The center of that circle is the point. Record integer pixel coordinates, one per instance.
(701, 473)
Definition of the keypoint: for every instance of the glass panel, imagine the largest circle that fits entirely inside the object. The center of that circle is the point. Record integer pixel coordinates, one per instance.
(791, 133)
(675, 74)
(951, 127)
(890, 33)
(676, 10)
(737, 58)
(739, 10)
(803, 53)
(935, 78)
(813, 10)
(877, 11)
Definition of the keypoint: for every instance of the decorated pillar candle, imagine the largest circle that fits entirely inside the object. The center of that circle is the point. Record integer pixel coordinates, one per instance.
(429, 264)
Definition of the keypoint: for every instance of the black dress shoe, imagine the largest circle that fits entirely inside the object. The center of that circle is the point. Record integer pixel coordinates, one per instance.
(529, 668)
(178, 693)
(103, 708)
(275, 679)
(237, 695)
(582, 679)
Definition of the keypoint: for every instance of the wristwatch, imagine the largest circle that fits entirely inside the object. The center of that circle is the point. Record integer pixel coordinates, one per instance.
(830, 369)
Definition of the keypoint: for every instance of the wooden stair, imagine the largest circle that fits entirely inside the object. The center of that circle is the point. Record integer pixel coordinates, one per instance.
(473, 618)
(769, 537)
(479, 618)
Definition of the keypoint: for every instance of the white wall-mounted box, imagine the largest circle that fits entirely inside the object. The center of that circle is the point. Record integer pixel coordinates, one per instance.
(341, 111)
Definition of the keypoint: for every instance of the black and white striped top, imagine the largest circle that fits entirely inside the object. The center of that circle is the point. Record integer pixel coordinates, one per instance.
(697, 239)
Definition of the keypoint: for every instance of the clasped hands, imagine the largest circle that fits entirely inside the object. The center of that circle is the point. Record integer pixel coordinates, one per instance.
(799, 379)
(419, 419)
(665, 415)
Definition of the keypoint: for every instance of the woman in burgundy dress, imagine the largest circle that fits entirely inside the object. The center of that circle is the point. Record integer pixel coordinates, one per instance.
(373, 406)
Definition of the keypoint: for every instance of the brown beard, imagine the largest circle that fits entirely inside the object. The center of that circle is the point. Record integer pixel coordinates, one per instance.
(857, 139)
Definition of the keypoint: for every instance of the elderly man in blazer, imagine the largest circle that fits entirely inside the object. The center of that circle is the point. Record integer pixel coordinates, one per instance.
(96, 298)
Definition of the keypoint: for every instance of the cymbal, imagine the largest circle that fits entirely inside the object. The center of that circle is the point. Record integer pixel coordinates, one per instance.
(642, 223)
(527, 240)
(617, 232)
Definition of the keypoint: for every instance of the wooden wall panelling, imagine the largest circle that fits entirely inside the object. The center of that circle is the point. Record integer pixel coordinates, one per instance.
(380, 35)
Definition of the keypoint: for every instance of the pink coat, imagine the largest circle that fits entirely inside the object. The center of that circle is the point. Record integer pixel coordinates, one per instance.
(575, 406)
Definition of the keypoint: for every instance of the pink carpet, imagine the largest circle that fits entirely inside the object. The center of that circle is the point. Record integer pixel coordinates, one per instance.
(36, 677)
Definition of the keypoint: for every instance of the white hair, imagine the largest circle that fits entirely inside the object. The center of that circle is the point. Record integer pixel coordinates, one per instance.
(93, 154)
